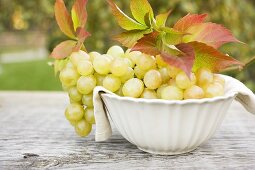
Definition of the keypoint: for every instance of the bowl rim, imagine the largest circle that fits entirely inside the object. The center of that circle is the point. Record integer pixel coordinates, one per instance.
(162, 101)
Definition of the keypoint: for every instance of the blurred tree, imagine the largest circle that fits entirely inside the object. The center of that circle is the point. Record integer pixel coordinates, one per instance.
(238, 16)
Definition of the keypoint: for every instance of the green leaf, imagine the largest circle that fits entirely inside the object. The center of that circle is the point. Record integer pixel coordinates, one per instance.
(79, 13)
(123, 20)
(209, 57)
(64, 19)
(162, 18)
(140, 8)
(130, 38)
(63, 50)
(171, 36)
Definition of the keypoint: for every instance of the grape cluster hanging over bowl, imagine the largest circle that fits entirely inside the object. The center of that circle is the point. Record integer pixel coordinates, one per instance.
(162, 64)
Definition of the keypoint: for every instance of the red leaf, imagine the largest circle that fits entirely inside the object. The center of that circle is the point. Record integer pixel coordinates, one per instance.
(184, 60)
(189, 20)
(209, 57)
(63, 49)
(82, 34)
(211, 34)
(147, 44)
(64, 19)
(79, 13)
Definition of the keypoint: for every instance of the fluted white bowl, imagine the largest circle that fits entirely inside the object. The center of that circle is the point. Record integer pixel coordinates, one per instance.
(167, 127)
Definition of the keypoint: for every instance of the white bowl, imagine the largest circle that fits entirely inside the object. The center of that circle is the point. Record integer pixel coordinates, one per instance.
(167, 127)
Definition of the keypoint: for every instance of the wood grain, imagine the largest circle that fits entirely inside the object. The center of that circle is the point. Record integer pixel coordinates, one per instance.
(35, 135)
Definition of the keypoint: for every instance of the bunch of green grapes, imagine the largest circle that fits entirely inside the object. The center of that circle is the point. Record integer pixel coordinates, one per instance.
(129, 74)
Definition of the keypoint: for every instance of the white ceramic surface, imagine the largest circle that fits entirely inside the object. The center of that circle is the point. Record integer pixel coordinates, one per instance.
(167, 127)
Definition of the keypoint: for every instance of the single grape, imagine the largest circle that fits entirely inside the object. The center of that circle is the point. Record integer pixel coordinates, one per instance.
(213, 90)
(86, 84)
(218, 79)
(183, 81)
(133, 88)
(68, 77)
(139, 72)
(173, 71)
(204, 76)
(152, 79)
(133, 55)
(102, 64)
(89, 115)
(164, 74)
(159, 90)
(119, 67)
(160, 62)
(85, 68)
(87, 100)
(149, 94)
(74, 94)
(146, 62)
(112, 83)
(129, 74)
(69, 64)
(115, 51)
(172, 93)
(79, 56)
(129, 62)
(92, 55)
(99, 78)
(194, 92)
(74, 112)
(83, 128)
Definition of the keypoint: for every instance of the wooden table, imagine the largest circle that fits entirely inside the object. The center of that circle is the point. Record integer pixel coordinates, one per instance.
(34, 134)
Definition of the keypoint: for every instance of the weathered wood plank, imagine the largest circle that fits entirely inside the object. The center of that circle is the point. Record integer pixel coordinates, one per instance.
(34, 134)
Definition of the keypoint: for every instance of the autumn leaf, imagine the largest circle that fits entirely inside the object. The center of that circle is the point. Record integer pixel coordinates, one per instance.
(130, 38)
(183, 60)
(79, 13)
(82, 34)
(162, 18)
(171, 36)
(64, 19)
(139, 9)
(64, 49)
(209, 57)
(123, 20)
(189, 20)
(148, 44)
(211, 34)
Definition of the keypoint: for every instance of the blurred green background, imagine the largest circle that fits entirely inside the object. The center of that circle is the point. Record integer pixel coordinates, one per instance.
(28, 32)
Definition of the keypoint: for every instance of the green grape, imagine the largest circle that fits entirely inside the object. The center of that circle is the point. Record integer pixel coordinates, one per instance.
(102, 64)
(160, 62)
(213, 90)
(146, 62)
(85, 68)
(159, 90)
(74, 94)
(73, 123)
(87, 100)
(93, 54)
(152, 79)
(86, 84)
(75, 102)
(111, 83)
(149, 94)
(119, 67)
(139, 72)
(133, 55)
(218, 79)
(194, 92)
(172, 93)
(204, 76)
(99, 78)
(69, 64)
(173, 71)
(129, 62)
(183, 81)
(115, 51)
(129, 74)
(164, 74)
(119, 92)
(133, 88)
(74, 112)
(79, 56)
(89, 115)
(68, 77)
(83, 128)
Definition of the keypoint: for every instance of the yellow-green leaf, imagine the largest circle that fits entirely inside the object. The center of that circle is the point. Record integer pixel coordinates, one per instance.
(162, 18)
(79, 13)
